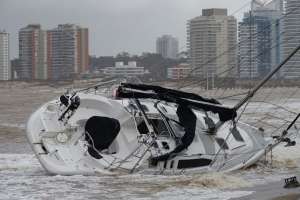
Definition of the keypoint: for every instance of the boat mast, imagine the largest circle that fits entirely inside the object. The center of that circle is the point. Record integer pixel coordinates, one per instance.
(266, 79)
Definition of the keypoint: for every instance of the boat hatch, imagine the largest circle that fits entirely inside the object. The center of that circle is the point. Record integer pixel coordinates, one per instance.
(100, 132)
(158, 124)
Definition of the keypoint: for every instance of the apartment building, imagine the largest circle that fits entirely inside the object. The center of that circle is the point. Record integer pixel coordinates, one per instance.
(167, 46)
(211, 42)
(5, 72)
(32, 53)
(59, 53)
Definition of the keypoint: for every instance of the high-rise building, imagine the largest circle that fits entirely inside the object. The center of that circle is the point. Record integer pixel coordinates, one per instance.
(32, 53)
(58, 53)
(260, 36)
(211, 42)
(67, 51)
(5, 72)
(167, 46)
(291, 39)
(267, 4)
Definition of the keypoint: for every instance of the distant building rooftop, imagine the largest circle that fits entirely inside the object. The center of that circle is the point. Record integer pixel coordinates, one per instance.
(214, 11)
(130, 70)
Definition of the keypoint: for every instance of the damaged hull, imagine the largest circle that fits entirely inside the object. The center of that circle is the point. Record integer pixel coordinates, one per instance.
(64, 147)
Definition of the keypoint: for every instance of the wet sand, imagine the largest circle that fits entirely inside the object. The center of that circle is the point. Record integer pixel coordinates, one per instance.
(288, 197)
(13, 140)
(272, 191)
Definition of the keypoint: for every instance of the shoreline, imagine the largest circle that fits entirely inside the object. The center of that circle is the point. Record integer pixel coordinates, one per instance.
(271, 191)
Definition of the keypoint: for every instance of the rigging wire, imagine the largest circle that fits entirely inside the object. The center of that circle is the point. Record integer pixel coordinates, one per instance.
(231, 14)
(221, 73)
(234, 95)
(277, 106)
(267, 114)
(276, 112)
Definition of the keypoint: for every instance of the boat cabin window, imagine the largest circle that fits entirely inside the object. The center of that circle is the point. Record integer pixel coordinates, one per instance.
(178, 130)
(158, 124)
(211, 126)
(222, 143)
(142, 127)
(145, 108)
(237, 135)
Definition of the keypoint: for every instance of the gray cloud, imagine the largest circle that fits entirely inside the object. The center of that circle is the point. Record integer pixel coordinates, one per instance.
(114, 25)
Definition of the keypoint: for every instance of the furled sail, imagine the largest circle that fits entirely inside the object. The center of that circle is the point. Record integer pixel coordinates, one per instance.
(141, 91)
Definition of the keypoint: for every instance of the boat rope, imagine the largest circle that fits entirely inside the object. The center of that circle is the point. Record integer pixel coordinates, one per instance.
(234, 95)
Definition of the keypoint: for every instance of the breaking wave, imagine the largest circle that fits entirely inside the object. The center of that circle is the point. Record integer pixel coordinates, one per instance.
(286, 157)
(219, 180)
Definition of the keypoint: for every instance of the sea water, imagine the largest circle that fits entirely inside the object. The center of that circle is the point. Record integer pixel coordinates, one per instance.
(22, 176)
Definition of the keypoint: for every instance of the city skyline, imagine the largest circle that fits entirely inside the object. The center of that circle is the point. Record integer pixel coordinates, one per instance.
(58, 53)
(114, 25)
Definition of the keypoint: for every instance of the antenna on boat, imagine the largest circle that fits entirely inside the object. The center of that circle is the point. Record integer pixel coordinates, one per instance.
(266, 79)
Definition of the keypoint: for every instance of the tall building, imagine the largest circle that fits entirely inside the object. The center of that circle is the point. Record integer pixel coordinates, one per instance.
(5, 72)
(267, 4)
(211, 42)
(260, 36)
(67, 51)
(32, 53)
(291, 39)
(54, 54)
(167, 46)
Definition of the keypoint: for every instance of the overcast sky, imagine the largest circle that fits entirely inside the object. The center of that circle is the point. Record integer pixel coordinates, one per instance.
(114, 25)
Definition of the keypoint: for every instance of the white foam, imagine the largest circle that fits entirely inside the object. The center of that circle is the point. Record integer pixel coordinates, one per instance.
(18, 162)
(286, 157)
(219, 180)
(199, 194)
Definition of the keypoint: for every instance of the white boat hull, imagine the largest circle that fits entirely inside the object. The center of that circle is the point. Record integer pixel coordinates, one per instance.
(61, 147)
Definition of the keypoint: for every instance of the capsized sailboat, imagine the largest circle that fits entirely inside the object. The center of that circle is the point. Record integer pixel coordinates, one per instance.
(145, 128)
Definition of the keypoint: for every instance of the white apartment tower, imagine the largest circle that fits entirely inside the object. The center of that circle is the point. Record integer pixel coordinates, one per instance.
(167, 46)
(291, 39)
(211, 42)
(5, 72)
